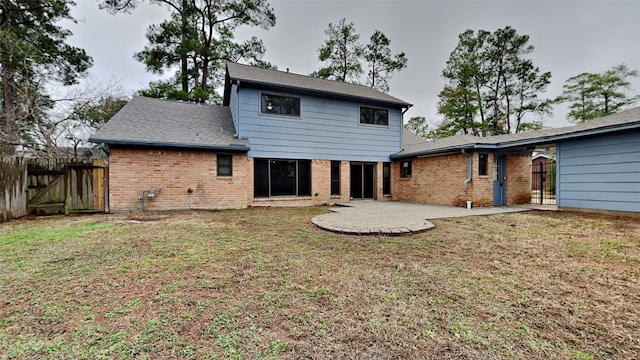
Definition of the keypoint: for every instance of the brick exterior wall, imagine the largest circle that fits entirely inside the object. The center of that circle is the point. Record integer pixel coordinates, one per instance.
(440, 180)
(518, 179)
(133, 170)
(435, 180)
(482, 185)
(345, 183)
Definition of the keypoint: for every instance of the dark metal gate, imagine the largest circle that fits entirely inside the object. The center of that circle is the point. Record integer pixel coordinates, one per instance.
(543, 182)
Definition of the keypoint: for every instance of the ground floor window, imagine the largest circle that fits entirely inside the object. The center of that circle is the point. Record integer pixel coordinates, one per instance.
(386, 178)
(278, 177)
(405, 169)
(335, 177)
(483, 161)
(225, 165)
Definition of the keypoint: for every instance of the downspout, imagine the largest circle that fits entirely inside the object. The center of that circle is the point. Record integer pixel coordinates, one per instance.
(469, 171)
(402, 127)
(105, 149)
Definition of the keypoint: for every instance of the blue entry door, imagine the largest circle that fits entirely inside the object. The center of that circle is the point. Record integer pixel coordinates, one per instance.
(499, 180)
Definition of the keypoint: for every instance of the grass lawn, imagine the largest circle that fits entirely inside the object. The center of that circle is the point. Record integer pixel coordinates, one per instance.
(267, 284)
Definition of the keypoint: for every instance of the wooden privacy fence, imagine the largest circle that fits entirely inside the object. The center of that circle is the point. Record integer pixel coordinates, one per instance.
(13, 188)
(85, 187)
(52, 186)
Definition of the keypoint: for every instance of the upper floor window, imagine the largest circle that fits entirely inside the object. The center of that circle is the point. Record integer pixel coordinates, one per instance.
(374, 116)
(280, 105)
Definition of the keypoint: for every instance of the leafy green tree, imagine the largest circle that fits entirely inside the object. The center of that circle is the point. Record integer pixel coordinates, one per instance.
(594, 95)
(381, 63)
(419, 126)
(33, 51)
(341, 53)
(491, 86)
(199, 38)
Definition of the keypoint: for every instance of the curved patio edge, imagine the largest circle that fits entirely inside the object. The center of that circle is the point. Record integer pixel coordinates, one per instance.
(325, 222)
(365, 217)
(371, 220)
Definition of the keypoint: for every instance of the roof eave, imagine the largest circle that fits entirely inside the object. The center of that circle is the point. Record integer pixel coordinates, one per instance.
(429, 152)
(570, 136)
(523, 142)
(228, 148)
(400, 104)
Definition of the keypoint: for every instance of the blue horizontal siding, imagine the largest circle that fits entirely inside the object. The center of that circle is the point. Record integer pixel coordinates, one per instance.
(326, 129)
(630, 156)
(600, 173)
(611, 168)
(589, 186)
(611, 195)
(629, 206)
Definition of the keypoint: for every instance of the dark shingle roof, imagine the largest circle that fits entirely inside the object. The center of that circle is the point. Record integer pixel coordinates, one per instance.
(303, 83)
(153, 122)
(417, 145)
(629, 119)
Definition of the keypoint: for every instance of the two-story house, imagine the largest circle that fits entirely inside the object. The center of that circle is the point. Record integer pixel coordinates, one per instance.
(279, 139)
(283, 139)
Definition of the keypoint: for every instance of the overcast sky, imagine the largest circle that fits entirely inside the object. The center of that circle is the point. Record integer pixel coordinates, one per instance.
(570, 37)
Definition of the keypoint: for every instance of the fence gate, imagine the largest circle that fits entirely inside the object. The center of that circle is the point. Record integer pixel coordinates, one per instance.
(543, 187)
(63, 187)
(85, 188)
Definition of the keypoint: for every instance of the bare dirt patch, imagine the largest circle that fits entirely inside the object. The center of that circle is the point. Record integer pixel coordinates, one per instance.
(266, 283)
(631, 226)
(144, 218)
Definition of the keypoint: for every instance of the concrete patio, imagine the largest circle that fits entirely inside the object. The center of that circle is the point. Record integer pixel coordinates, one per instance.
(394, 218)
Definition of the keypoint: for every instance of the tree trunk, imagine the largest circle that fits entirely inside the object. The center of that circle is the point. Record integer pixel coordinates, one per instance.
(207, 36)
(373, 71)
(183, 56)
(10, 107)
(480, 108)
(508, 111)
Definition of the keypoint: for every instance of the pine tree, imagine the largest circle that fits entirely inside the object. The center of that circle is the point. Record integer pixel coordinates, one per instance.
(492, 85)
(381, 63)
(594, 95)
(198, 38)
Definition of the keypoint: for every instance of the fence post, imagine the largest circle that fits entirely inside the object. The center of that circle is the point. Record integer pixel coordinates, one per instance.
(542, 184)
(67, 190)
(13, 188)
